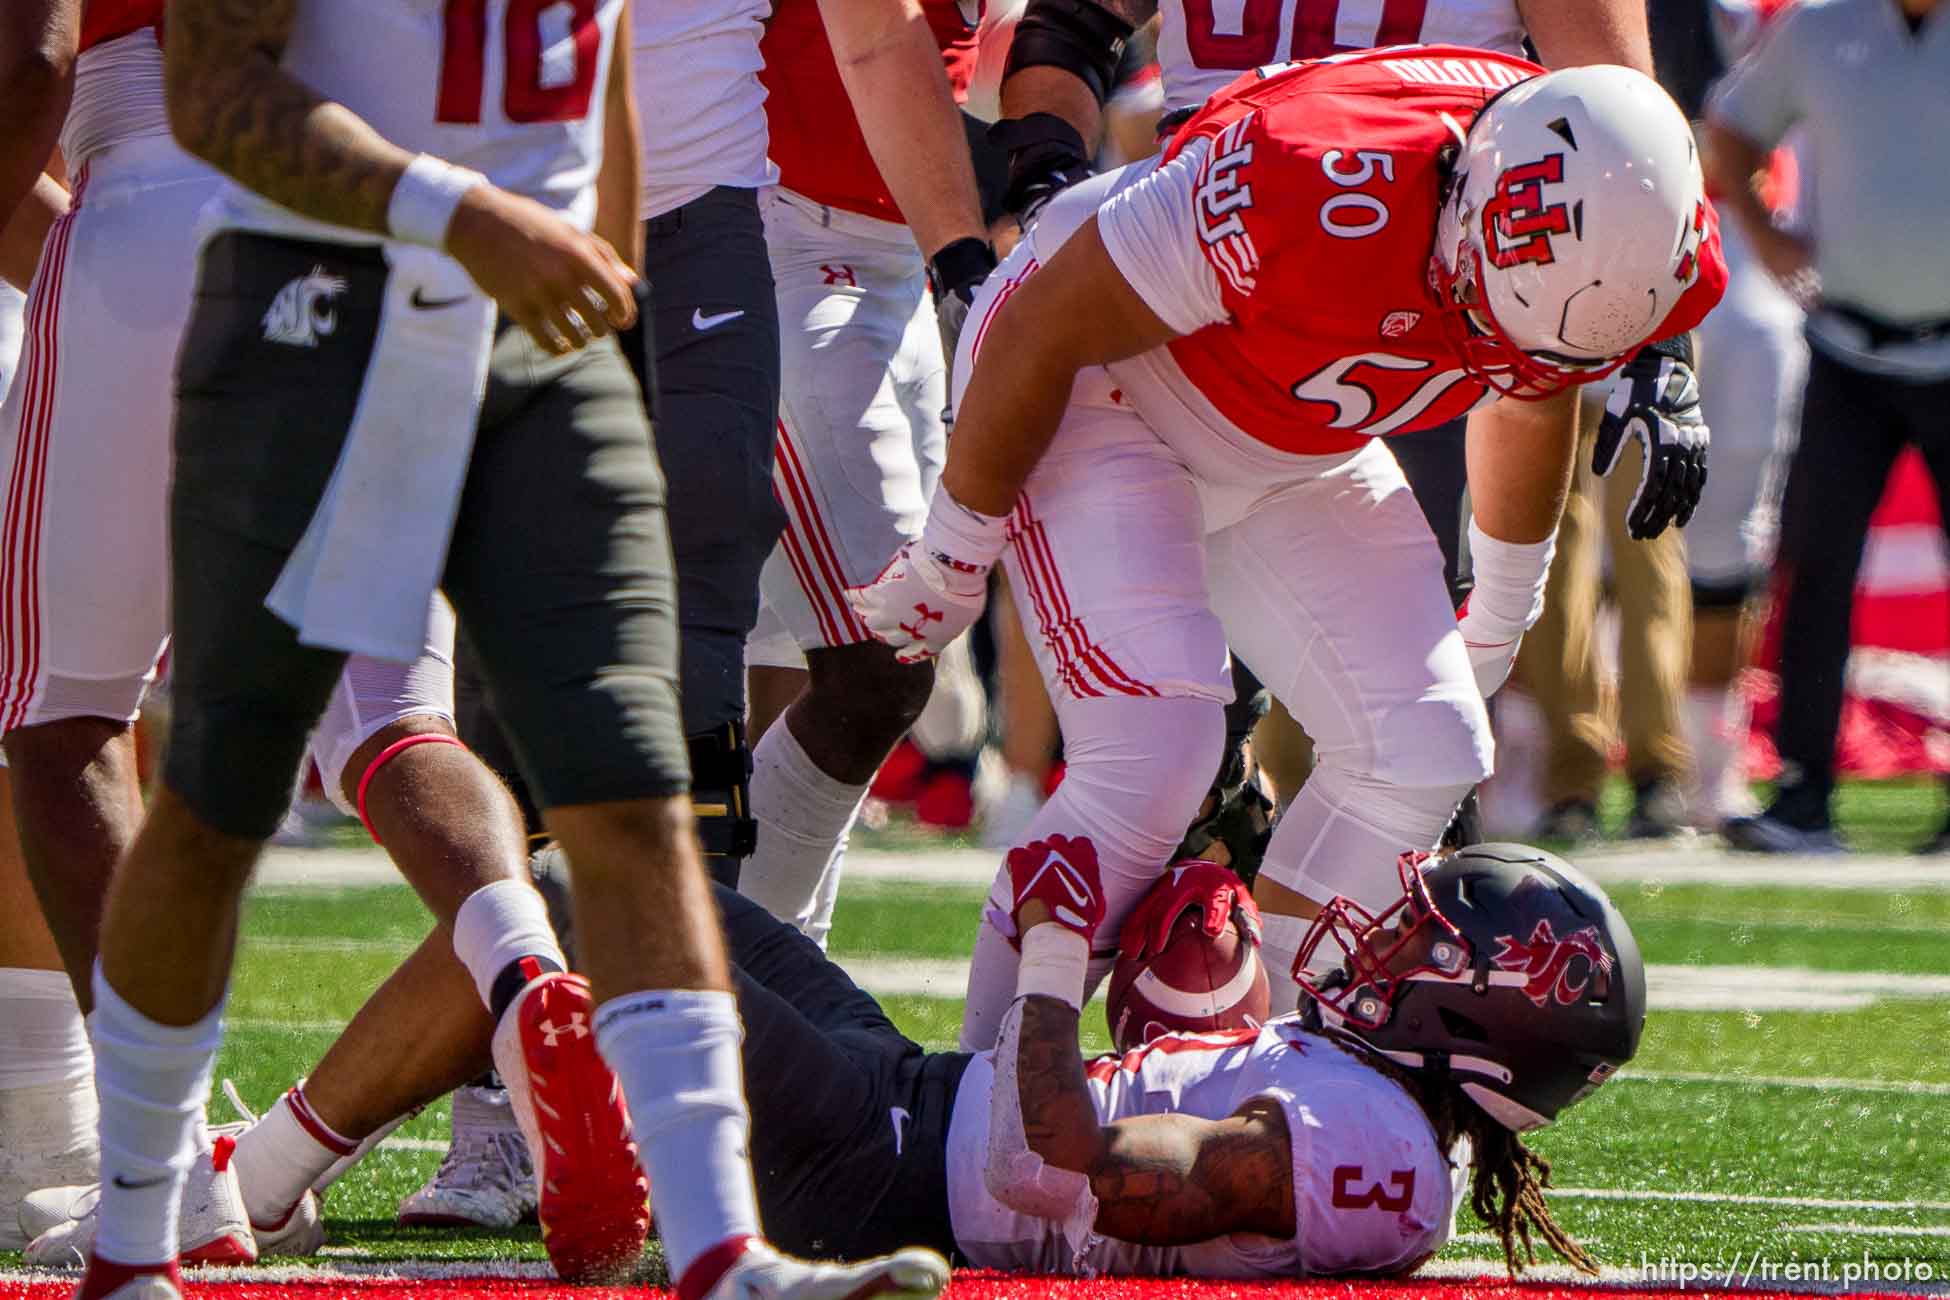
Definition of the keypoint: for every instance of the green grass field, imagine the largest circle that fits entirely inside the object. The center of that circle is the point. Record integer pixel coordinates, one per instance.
(1742, 1126)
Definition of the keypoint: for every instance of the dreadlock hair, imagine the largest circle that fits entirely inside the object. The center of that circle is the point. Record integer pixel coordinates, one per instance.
(1507, 1193)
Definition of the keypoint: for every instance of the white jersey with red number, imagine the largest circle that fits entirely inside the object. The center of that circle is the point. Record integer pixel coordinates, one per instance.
(1372, 1192)
(510, 88)
(694, 71)
(1204, 44)
(1285, 234)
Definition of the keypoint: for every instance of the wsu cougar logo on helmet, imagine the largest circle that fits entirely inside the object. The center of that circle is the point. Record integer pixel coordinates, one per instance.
(1546, 960)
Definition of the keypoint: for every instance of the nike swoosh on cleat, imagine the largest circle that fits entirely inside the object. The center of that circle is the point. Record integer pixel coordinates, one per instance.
(700, 322)
(128, 1186)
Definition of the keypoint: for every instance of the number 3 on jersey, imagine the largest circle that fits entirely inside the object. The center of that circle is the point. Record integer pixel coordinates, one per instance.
(550, 51)
(1241, 34)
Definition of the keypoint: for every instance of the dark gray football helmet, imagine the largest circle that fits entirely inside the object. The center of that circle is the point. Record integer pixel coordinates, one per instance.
(1503, 964)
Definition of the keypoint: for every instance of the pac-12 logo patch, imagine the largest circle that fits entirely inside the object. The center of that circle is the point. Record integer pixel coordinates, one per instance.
(1548, 962)
(1396, 324)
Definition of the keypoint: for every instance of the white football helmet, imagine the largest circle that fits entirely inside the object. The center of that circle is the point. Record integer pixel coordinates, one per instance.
(1572, 227)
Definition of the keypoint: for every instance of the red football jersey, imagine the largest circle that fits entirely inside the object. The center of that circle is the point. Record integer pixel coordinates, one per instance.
(105, 20)
(816, 139)
(1316, 204)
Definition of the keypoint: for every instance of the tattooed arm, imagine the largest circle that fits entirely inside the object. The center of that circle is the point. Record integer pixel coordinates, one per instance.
(232, 105)
(1159, 1180)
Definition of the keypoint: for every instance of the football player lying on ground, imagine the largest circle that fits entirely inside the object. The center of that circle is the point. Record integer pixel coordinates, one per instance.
(1338, 1142)
(1171, 438)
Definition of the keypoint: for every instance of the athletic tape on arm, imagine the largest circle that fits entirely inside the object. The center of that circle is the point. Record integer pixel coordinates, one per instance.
(1016, 1175)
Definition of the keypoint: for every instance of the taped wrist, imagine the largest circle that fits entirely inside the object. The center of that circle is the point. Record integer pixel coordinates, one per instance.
(1079, 36)
(424, 198)
(964, 542)
(1055, 964)
(1508, 597)
(1014, 1174)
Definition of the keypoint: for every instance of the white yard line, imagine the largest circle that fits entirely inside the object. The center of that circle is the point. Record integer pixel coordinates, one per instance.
(1672, 864)
(1743, 1198)
(1789, 1081)
(1872, 1229)
(1668, 987)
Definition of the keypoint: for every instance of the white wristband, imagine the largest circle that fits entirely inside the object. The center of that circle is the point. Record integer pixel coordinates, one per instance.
(1055, 963)
(1508, 597)
(966, 536)
(424, 199)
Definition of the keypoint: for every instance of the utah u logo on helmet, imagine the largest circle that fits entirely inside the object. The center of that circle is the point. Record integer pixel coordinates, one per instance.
(1517, 223)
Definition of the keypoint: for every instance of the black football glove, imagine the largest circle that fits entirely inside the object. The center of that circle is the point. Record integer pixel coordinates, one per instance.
(954, 274)
(1046, 157)
(1655, 399)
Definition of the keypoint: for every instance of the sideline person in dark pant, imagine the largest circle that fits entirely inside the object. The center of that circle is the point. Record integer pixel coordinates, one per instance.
(1854, 424)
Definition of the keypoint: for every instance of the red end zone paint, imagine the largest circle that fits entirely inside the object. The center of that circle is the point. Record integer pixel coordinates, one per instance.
(968, 1285)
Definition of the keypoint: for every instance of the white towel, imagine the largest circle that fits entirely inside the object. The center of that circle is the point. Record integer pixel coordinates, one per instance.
(373, 553)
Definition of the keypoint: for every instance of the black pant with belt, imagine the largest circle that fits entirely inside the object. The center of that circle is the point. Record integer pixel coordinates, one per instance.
(1854, 423)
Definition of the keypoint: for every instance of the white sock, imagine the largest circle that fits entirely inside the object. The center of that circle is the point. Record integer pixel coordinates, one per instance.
(1716, 718)
(48, 1116)
(340, 1167)
(42, 1036)
(153, 1080)
(278, 1158)
(675, 1051)
(497, 926)
(804, 817)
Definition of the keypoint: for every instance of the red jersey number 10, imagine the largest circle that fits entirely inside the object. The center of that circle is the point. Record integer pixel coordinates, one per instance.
(550, 49)
(1241, 34)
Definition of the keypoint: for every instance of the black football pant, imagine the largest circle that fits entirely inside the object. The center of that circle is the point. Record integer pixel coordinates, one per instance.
(1854, 423)
(849, 1117)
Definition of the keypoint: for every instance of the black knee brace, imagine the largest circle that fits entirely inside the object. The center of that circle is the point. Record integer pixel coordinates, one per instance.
(721, 795)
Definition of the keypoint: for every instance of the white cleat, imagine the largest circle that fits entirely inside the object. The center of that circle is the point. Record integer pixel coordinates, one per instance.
(301, 1232)
(486, 1179)
(47, 1138)
(760, 1272)
(214, 1227)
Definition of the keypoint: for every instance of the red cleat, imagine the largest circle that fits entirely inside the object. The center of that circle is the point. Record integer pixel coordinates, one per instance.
(900, 778)
(107, 1280)
(594, 1197)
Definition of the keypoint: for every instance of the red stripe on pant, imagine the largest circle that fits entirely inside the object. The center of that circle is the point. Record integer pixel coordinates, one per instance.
(819, 548)
(1066, 670)
(27, 490)
(1091, 655)
(795, 556)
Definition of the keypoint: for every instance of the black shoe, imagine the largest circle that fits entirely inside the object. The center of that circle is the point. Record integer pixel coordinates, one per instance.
(1658, 810)
(1770, 834)
(1568, 821)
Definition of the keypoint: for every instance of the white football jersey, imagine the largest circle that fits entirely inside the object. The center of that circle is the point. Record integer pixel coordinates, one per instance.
(1204, 44)
(1372, 1192)
(695, 68)
(510, 88)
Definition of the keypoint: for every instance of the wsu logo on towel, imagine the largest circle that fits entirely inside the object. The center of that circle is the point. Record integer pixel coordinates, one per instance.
(299, 316)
